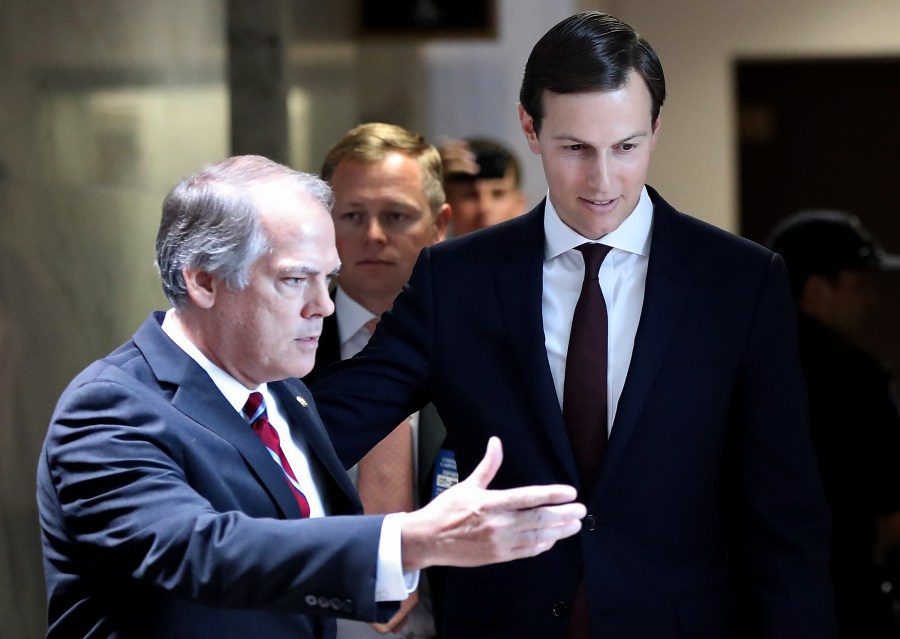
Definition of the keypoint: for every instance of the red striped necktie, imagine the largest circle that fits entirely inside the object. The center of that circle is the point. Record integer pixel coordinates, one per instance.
(255, 412)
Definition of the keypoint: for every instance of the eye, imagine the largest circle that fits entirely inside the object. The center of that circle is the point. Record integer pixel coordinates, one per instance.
(396, 221)
(574, 147)
(627, 147)
(293, 281)
(350, 217)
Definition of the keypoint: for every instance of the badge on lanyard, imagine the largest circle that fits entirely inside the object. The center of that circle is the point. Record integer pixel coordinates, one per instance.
(445, 473)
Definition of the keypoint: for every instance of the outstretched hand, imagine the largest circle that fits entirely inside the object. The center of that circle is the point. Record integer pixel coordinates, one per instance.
(470, 525)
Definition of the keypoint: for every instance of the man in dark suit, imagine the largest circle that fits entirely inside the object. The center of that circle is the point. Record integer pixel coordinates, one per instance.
(389, 205)
(185, 478)
(689, 444)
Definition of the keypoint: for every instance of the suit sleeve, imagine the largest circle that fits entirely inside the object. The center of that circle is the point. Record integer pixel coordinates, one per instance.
(782, 524)
(117, 493)
(363, 398)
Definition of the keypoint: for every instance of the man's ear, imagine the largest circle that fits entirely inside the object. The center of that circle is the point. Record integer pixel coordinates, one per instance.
(201, 287)
(440, 223)
(655, 134)
(527, 123)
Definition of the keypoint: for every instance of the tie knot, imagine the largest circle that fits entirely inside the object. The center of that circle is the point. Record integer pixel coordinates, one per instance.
(254, 407)
(594, 255)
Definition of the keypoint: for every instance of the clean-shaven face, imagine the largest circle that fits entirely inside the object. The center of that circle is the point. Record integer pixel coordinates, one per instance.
(382, 221)
(483, 202)
(595, 148)
(269, 330)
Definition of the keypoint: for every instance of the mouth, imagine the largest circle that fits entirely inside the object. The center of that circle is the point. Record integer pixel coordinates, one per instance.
(600, 202)
(601, 206)
(374, 262)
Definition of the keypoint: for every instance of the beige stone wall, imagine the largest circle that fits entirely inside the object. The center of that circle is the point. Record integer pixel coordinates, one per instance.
(103, 105)
(700, 40)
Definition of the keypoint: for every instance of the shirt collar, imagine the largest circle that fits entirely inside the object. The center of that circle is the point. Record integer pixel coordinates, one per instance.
(235, 392)
(350, 314)
(633, 234)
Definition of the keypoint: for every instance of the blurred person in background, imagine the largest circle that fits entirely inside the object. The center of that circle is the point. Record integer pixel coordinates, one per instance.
(854, 418)
(483, 182)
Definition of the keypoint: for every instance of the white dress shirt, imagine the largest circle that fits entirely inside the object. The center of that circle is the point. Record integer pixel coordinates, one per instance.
(391, 584)
(623, 276)
(351, 319)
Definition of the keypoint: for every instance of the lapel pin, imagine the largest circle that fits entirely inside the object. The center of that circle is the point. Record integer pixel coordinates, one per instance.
(302, 401)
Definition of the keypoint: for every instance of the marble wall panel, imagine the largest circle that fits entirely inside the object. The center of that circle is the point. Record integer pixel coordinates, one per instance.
(104, 104)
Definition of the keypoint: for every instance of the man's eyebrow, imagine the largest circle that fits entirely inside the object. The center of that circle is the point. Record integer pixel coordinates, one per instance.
(565, 137)
(298, 269)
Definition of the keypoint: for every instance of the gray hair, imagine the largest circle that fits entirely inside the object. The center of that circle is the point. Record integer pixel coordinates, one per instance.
(210, 221)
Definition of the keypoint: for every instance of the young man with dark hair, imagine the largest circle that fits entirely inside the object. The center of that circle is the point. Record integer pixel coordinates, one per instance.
(483, 182)
(621, 345)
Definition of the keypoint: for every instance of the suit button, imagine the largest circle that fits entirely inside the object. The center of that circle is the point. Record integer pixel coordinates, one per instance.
(560, 609)
(324, 601)
(590, 523)
(347, 605)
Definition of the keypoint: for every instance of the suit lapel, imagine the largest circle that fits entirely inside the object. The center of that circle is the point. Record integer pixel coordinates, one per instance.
(520, 285)
(297, 403)
(198, 398)
(665, 293)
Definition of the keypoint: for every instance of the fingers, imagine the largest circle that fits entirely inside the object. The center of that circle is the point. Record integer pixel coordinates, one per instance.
(470, 525)
(487, 468)
(398, 621)
(549, 524)
(528, 497)
(530, 533)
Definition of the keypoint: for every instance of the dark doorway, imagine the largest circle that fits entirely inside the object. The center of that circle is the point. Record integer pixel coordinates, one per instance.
(819, 134)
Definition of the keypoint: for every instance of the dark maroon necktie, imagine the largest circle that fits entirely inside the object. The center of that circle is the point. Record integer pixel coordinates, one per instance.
(255, 411)
(584, 397)
(584, 391)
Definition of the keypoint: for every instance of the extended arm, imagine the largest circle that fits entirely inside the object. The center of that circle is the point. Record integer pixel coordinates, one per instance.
(469, 525)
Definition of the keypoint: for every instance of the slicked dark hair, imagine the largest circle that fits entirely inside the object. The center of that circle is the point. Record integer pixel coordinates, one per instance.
(586, 52)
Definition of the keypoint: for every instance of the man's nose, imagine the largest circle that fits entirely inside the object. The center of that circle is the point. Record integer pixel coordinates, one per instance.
(375, 231)
(319, 302)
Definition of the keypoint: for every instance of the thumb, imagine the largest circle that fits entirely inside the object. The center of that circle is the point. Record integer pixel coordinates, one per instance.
(487, 468)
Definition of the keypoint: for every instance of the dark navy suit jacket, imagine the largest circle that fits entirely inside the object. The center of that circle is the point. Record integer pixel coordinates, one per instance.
(707, 518)
(163, 516)
(432, 433)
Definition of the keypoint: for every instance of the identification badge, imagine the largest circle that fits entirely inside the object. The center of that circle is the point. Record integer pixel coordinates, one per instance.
(445, 473)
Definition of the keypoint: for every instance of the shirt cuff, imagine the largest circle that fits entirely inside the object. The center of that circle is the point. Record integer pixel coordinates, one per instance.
(391, 583)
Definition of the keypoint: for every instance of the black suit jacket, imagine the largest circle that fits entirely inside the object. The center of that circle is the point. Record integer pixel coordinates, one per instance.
(164, 516)
(706, 517)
